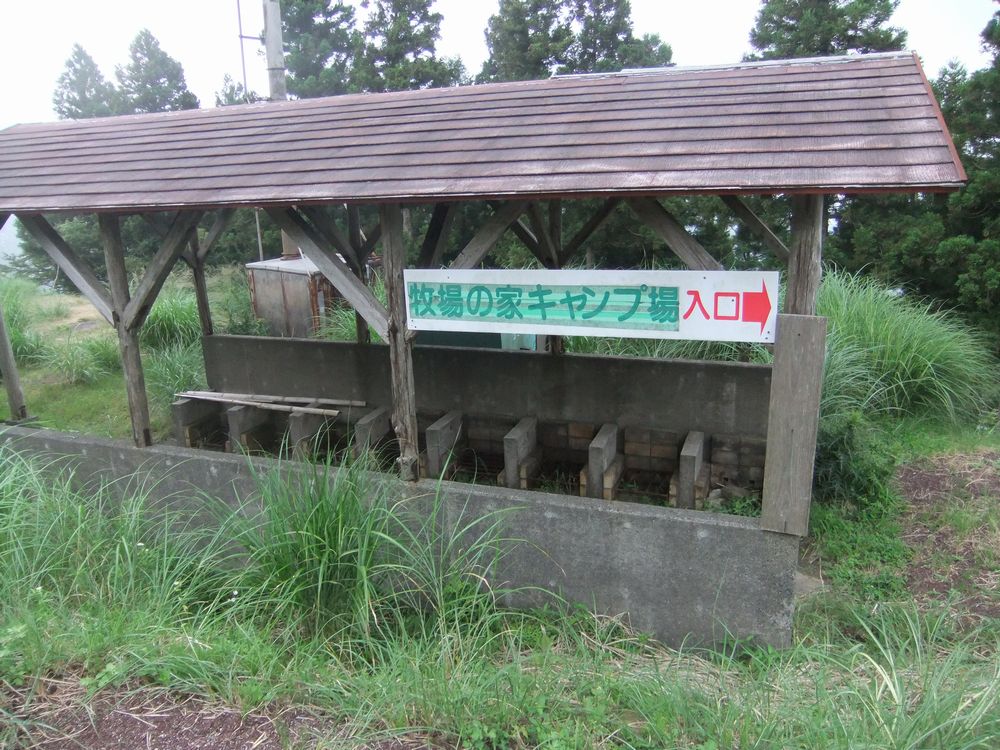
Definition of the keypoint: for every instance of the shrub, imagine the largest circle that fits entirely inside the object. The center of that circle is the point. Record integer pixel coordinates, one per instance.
(73, 361)
(172, 369)
(237, 307)
(173, 321)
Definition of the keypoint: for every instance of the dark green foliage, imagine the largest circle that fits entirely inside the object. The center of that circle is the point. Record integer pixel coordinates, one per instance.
(853, 461)
(82, 90)
(811, 28)
(606, 41)
(152, 81)
(320, 43)
(398, 50)
(527, 40)
(234, 93)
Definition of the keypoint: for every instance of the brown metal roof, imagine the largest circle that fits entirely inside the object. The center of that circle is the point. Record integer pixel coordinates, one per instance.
(824, 125)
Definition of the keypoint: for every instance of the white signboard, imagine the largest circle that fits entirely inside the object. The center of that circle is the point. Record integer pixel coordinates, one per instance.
(703, 305)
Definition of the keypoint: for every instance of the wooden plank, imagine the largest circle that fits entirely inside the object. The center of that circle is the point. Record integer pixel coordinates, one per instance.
(404, 398)
(805, 263)
(11, 378)
(689, 466)
(488, 235)
(600, 455)
(259, 397)
(336, 270)
(354, 237)
(159, 268)
(756, 226)
(436, 237)
(589, 227)
(678, 239)
(443, 437)
(78, 272)
(128, 341)
(793, 418)
(518, 444)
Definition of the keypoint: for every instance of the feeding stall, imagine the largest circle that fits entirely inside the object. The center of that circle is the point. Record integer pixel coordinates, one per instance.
(799, 128)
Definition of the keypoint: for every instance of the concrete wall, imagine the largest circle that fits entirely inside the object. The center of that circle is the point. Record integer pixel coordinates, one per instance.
(684, 576)
(668, 395)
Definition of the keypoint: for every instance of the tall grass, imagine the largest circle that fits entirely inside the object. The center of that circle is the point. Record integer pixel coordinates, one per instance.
(173, 321)
(347, 603)
(920, 361)
(340, 323)
(20, 313)
(172, 369)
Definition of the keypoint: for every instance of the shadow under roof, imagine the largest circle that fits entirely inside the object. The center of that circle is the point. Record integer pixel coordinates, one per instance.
(825, 125)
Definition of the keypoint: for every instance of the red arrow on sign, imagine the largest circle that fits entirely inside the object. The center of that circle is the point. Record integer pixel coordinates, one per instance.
(757, 307)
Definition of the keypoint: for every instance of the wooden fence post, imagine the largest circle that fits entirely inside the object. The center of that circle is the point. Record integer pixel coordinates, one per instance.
(793, 418)
(404, 399)
(805, 261)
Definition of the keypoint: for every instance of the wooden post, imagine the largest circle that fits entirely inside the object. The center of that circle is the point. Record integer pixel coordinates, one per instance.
(805, 255)
(11, 379)
(200, 286)
(404, 399)
(128, 342)
(793, 417)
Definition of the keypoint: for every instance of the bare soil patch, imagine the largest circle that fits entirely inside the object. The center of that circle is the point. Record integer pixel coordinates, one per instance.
(58, 714)
(952, 524)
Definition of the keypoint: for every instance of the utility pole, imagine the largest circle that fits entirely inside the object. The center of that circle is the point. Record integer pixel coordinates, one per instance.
(277, 89)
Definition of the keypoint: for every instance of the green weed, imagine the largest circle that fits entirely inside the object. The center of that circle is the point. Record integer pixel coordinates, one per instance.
(173, 321)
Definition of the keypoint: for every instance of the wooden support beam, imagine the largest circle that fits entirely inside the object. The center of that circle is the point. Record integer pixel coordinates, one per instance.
(69, 263)
(370, 430)
(336, 270)
(518, 444)
(546, 244)
(689, 467)
(436, 238)
(530, 241)
(329, 231)
(756, 225)
(354, 237)
(587, 230)
(601, 455)
(373, 239)
(404, 397)
(678, 239)
(159, 268)
(223, 218)
(442, 438)
(128, 341)
(200, 285)
(805, 263)
(489, 234)
(8, 369)
(793, 418)
(555, 226)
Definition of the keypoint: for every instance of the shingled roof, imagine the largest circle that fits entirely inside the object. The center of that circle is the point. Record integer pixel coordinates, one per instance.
(838, 124)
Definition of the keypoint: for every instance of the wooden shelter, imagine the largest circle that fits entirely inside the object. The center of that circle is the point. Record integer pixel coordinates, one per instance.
(807, 128)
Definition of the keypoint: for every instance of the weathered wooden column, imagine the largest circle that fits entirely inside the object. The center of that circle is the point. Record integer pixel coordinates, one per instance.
(404, 400)
(128, 341)
(200, 286)
(805, 255)
(11, 379)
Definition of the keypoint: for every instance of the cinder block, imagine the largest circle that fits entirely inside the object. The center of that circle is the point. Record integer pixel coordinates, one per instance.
(636, 449)
(726, 457)
(581, 430)
(726, 443)
(663, 450)
(637, 462)
(636, 435)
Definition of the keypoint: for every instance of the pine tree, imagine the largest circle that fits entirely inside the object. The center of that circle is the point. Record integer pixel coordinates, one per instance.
(398, 51)
(812, 28)
(234, 93)
(320, 44)
(606, 41)
(527, 40)
(152, 81)
(82, 90)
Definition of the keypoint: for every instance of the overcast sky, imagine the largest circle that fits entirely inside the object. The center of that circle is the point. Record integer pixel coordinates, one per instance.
(36, 38)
